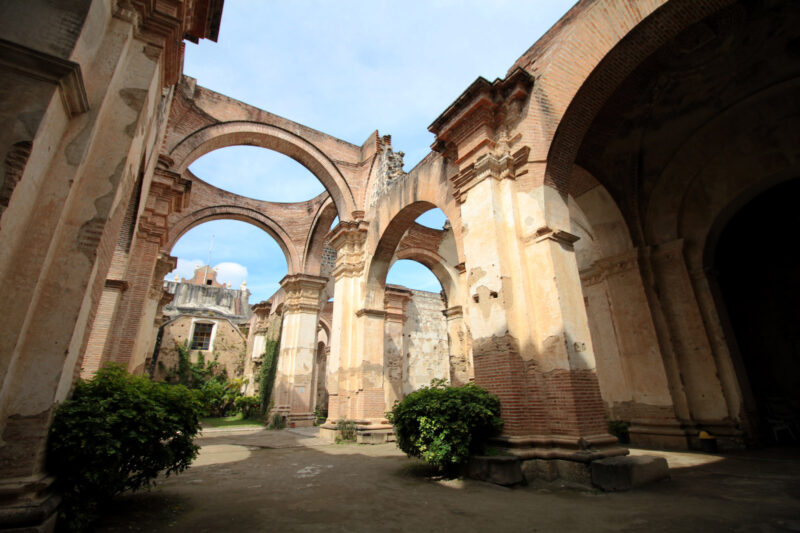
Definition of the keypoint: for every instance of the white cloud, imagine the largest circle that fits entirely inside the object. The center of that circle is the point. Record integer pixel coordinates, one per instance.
(232, 273)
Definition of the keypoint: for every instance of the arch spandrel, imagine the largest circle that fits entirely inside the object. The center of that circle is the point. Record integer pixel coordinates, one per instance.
(426, 187)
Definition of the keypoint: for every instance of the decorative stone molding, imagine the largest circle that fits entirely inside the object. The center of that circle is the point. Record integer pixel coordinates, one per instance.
(348, 240)
(165, 23)
(49, 68)
(453, 312)
(474, 131)
(303, 292)
(545, 233)
(395, 301)
(609, 266)
(374, 313)
(165, 264)
(169, 193)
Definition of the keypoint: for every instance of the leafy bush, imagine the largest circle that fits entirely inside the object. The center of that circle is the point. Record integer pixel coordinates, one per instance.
(445, 425)
(247, 405)
(117, 433)
(278, 422)
(215, 392)
(347, 430)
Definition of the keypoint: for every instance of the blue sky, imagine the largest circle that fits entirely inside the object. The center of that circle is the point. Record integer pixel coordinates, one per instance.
(346, 68)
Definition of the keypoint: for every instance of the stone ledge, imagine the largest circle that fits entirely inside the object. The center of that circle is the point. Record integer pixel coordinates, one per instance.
(625, 473)
(503, 470)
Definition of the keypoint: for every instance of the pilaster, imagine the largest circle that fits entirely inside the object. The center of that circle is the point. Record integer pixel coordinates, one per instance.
(294, 387)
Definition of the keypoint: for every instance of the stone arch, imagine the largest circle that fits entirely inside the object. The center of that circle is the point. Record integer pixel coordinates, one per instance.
(272, 137)
(386, 247)
(608, 41)
(444, 272)
(242, 214)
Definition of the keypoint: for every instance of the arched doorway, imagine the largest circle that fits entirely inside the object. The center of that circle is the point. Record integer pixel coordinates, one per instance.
(759, 287)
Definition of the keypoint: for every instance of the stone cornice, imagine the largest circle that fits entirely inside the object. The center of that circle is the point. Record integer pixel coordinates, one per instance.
(453, 312)
(165, 23)
(545, 233)
(478, 111)
(373, 313)
(49, 68)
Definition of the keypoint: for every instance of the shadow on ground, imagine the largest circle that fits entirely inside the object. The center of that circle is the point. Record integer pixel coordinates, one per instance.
(292, 481)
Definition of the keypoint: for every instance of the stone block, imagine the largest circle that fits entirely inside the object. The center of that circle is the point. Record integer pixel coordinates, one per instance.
(627, 472)
(503, 470)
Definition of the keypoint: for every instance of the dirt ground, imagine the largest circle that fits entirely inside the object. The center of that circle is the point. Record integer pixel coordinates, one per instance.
(290, 480)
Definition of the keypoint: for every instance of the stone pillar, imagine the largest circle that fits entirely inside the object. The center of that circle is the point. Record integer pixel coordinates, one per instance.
(696, 368)
(633, 379)
(458, 342)
(294, 387)
(394, 347)
(133, 325)
(348, 240)
(531, 341)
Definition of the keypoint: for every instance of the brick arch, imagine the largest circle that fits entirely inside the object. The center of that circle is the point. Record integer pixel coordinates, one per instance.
(608, 40)
(444, 272)
(242, 214)
(245, 133)
(385, 250)
(317, 237)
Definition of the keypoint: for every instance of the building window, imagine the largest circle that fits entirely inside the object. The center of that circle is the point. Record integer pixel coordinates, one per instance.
(201, 339)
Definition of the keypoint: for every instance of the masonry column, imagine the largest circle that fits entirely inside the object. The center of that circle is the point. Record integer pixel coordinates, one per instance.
(531, 342)
(133, 324)
(629, 361)
(395, 302)
(461, 370)
(348, 240)
(294, 393)
(694, 370)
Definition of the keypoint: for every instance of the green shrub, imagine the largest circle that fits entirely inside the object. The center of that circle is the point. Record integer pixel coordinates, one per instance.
(117, 433)
(445, 425)
(347, 430)
(278, 422)
(247, 405)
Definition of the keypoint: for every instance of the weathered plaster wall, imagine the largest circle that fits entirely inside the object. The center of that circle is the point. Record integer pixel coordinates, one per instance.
(426, 354)
(228, 345)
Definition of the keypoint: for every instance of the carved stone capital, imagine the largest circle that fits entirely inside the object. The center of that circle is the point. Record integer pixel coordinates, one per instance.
(348, 240)
(303, 292)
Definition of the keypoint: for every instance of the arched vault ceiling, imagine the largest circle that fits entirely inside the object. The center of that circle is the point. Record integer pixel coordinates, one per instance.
(711, 67)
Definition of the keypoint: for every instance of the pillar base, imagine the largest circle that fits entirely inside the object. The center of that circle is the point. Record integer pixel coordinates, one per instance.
(658, 434)
(28, 505)
(300, 419)
(367, 431)
(551, 457)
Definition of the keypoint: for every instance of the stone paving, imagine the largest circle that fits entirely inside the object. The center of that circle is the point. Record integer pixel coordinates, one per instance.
(291, 480)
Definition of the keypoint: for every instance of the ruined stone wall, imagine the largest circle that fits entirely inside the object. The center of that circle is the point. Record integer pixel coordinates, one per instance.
(425, 343)
(228, 345)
